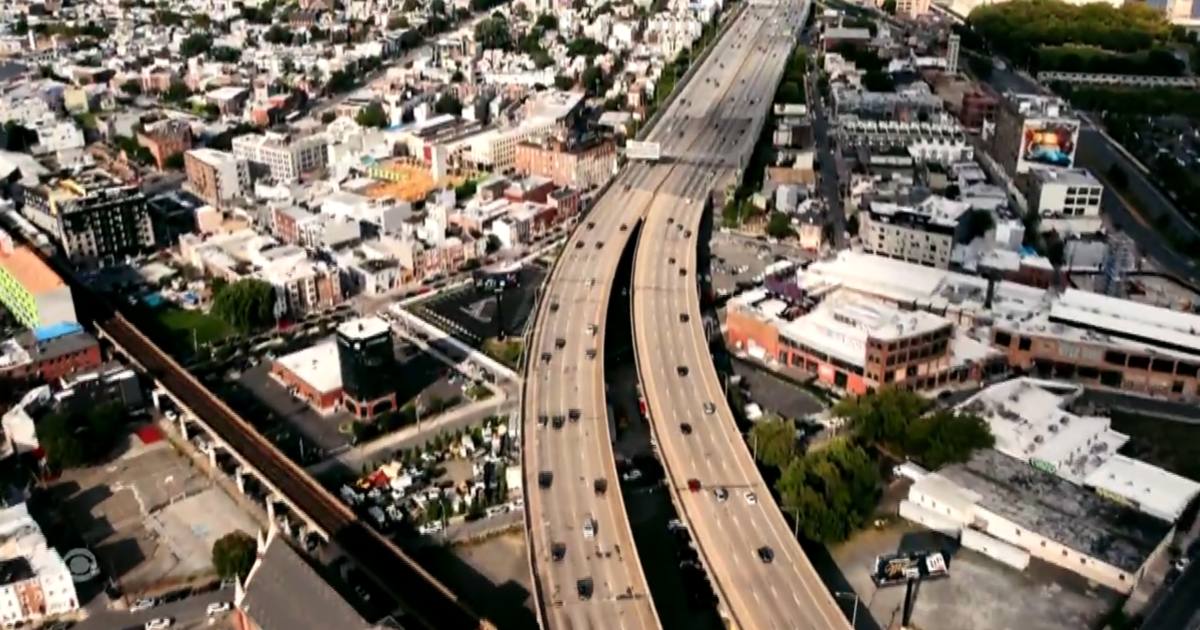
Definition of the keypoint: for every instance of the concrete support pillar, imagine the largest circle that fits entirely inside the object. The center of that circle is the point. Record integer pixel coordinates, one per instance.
(240, 479)
(212, 455)
(183, 428)
(271, 509)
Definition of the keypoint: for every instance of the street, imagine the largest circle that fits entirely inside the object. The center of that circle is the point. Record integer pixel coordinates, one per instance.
(186, 611)
(826, 163)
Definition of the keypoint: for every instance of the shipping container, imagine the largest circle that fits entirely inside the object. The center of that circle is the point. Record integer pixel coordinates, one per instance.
(995, 548)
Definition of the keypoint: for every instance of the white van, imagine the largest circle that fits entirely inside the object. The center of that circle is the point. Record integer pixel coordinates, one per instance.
(589, 528)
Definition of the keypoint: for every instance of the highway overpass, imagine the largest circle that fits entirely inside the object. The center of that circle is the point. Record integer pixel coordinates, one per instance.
(675, 365)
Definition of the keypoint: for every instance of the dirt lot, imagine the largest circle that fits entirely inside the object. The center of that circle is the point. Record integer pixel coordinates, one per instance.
(980, 594)
(492, 575)
(149, 516)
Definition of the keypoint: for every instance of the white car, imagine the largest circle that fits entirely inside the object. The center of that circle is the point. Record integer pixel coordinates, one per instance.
(632, 475)
(158, 624)
(721, 494)
(750, 498)
(143, 604)
(217, 608)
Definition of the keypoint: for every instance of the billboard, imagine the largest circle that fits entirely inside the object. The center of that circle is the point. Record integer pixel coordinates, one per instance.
(1049, 142)
(897, 568)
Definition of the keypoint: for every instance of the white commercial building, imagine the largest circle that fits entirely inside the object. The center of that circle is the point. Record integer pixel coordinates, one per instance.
(230, 176)
(1064, 192)
(924, 233)
(285, 158)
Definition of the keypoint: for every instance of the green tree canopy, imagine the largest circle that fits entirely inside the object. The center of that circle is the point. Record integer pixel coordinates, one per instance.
(247, 305)
(372, 116)
(547, 22)
(448, 104)
(73, 437)
(790, 93)
(900, 421)
(233, 555)
(195, 44)
(779, 225)
(831, 492)
(1019, 28)
(494, 33)
(773, 440)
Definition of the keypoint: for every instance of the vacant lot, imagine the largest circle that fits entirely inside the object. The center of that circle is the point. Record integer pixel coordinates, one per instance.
(193, 325)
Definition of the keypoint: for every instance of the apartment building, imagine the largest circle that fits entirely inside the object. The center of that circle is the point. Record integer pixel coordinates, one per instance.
(581, 166)
(912, 8)
(32, 292)
(496, 150)
(303, 286)
(166, 138)
(978, 107)
(1064, 192)
(36, 582)
(924, 233)
(93, 216)
(282, 157)
(1032, 130)
(215, 176)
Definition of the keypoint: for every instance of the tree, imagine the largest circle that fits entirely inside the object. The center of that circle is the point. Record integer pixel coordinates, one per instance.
(790, 93)
(195, 44)
(780, 226)
(547, 22)
(225, 54)
(132, 87)
(900, 422)
(397, 23)
(247, 305)
(773, 441)
(1020, 29)
(493, 244)
(979, 223)
(448, 104)
(233, 555)
(372, 116)
(278, 34)
(563, 82)
(494, 33)
(74, 436)
(831, 491)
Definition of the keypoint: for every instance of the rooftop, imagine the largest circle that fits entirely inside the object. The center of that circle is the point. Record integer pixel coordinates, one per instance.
(212, 157)
(934, 210)
(553, 105)
(364, 328)
(1053, 507)
(283, 592)
(1063, 175)
(1032, 421)
(28, 269)
(318, 366)
(1037, 105)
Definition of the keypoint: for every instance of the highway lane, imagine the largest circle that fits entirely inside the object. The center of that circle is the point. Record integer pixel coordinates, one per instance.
(580, 452)
(577, 452)
(787, 593)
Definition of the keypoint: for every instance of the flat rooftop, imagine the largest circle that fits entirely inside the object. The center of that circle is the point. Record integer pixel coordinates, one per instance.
(364, 328)
(29, 270)
(841, 325)
(318, 366)
(1055, 508)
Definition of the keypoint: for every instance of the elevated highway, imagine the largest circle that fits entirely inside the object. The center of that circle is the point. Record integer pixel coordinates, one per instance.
(675, 365)
(427, 601)
(584, 562)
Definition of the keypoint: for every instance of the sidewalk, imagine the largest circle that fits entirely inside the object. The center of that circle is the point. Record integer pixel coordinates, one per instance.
(415, 435)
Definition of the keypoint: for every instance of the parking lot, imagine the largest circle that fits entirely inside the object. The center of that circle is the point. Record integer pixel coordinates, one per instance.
(738, 260)
(774, 394)
(474, 316)
(980, 594)
(150, 517)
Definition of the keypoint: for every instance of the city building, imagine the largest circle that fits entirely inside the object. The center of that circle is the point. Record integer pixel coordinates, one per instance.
(49, 353)
(31, 291)
(36, 581)
(283, 592)
(854, 343)
(978, 107)
(1009, 509)
(367, 361)
(166, 138)
(1032, 130)
(215, 176)
(282, 157)
(312, 374)
(912, 8)
(924, 233)
(1064, 192)
(94, 217)
(582, 166)
(303, 286)
(1048, 332)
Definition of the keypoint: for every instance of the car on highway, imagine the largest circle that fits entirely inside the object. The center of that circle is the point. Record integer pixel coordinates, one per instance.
(558, 551)
(589, 527)
(685, 428)
(585, 587)
(543, 420)
(710, 408)
(766, 554)
(721, 494)
(750, 498)
(681, 370)
(546, 356)
(694, 485)
(684, 318)
(162, 623)
(143, 604)
(217, 608)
